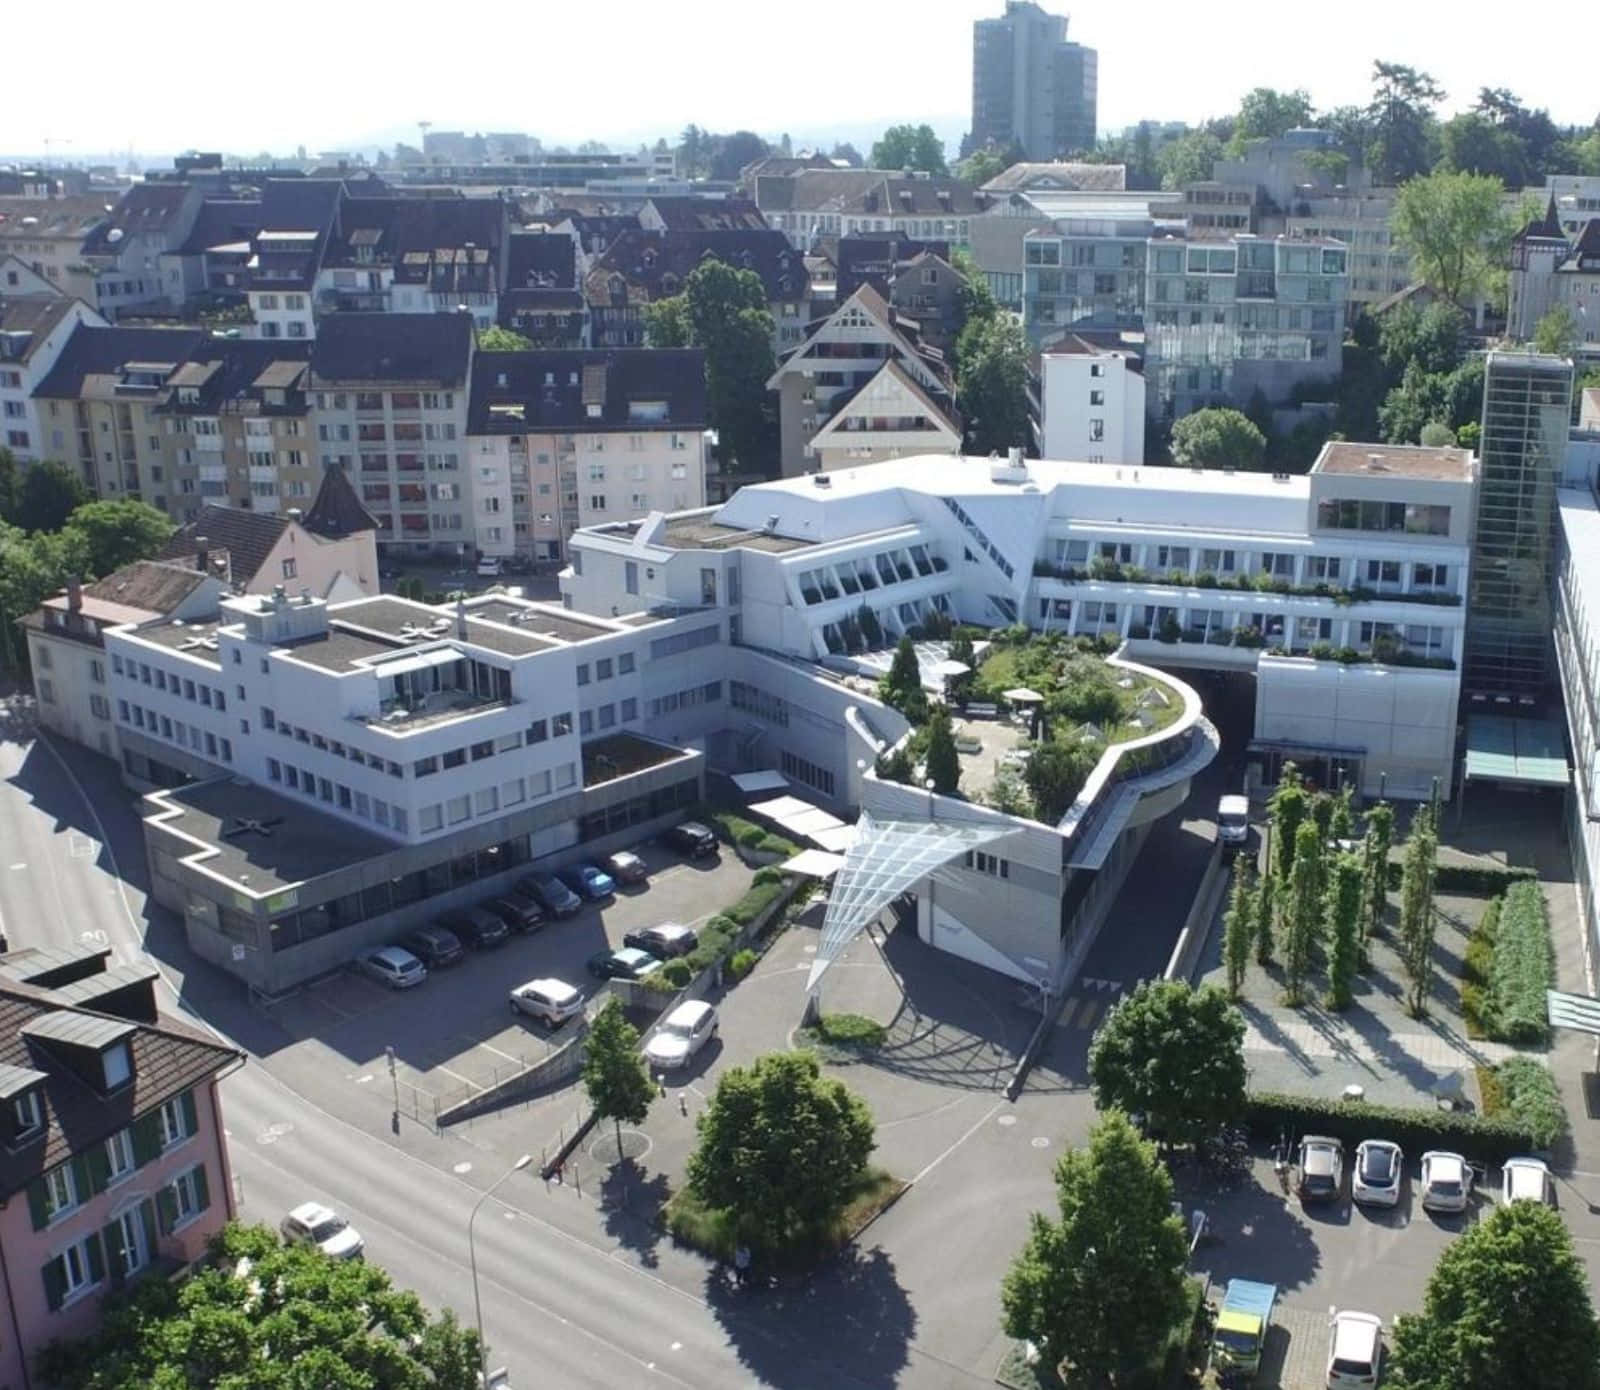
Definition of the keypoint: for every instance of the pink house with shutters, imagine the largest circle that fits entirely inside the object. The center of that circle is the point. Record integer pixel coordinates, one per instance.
(112, 1160)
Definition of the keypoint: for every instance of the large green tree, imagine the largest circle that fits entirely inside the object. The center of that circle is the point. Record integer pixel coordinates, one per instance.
(992, 383)
(1238, 927)
(1507, 1305)
(1287, 808)
(1401, 121)
(49, 493)
(1266, 113)
(1375, 871)
(1188, 159)
(1301, 912)
(10, 485)
(1342, 928)
(1056, 771)
(781, 1148)
(1173, 1054)
(666, 323)
(1456, 231)
(735, 151)
(614, 1073)
(909, 147)
(1217, 437)
(1098, 1289)
(31, 569)
(942, 761)
(299, 1320)
(118, 533)
(1557, 333)
(1416, 910)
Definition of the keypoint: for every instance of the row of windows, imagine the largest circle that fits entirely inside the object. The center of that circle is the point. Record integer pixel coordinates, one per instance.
(491, 800)
(61, 1190)
(190, 736)
(390, 815)
(206, 695)
(759, 702)
(683, 641)
(606, 716)
(556, 726)
(1414, 518)
(807, 772)
(990, 864)
(399, 400)
(603, 669)
(1280, 564)
(707, 694)
(269, 720)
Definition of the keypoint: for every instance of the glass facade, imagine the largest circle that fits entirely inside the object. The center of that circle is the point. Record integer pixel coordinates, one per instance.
(1527, 403)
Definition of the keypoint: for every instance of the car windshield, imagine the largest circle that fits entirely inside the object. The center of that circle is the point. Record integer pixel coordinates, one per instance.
(1446, 1187)
(1377, 1166)
(328, 1228)
(1345, 1365)
(679, 1028)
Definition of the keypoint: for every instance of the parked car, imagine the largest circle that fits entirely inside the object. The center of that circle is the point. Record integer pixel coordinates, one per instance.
(1446, 1181)
(626, 964)
(626, 867)
(589, 881)
(551, 1001)
(551, 893)
(1377, 1175)
(434, 945)
(311, 1223)
(1321, 1168)
(693, 839)
(477, 927)
(516, 911)
(393, 966)
(1355, 1347)
(666, 940)
(1233, 822)
(489, 567)
(1527, 1180)
(683, 1032)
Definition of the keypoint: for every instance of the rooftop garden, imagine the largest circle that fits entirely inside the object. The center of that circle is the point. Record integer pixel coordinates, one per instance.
(1114, 572)
(1086, 706)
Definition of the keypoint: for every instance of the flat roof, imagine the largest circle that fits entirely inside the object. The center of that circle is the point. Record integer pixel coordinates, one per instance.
(280, 843)
(557, 625)
(1406, 460)
(1504, 749)
(622, 755)
(702, 533)
(190, 639)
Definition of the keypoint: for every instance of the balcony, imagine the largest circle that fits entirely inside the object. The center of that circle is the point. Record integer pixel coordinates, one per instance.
(353, 301)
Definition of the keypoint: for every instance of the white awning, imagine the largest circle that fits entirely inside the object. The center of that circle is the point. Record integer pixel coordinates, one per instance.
(417, 661)
(798, 818)
(752, 783)
(836, 841)
(814, 863)
(887, 858)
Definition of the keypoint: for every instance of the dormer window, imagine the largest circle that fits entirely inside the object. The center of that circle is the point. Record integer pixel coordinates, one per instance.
(27, 1115)
(118, 1065)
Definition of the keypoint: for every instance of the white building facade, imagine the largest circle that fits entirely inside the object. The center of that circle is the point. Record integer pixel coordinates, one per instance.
(1091, 404)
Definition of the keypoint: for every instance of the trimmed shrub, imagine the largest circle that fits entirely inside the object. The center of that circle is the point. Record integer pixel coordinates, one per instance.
(1484, 1137)
(1475, 972)
(741, 963)
(755, 902)
(776, 844)
(770, 874)
(1481, 879)
(1531, 1100)
(677, 972)
(851, 1030)
(1521, 967)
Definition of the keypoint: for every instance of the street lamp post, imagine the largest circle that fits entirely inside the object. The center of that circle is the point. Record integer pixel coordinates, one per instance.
(472, 1256)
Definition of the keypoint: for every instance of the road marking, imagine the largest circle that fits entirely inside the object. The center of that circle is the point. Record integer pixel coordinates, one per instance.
(1089, 1014)
(940, 1158)
(490, 1047)
(22, 865)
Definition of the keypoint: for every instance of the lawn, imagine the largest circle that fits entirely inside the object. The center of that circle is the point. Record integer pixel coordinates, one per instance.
(708, 1230)
(1077, 684)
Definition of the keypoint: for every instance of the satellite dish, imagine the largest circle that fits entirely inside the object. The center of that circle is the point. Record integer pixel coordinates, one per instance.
(115, 234)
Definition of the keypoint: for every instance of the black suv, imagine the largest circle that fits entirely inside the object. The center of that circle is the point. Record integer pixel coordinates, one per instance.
(434, 945)
(517, 912)
(476, 927)
(663, 942)
(693, 839)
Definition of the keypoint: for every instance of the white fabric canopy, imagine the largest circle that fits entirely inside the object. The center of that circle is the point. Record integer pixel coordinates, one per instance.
(836, 841)
(797, 817)
(814, 863)
(886, 858)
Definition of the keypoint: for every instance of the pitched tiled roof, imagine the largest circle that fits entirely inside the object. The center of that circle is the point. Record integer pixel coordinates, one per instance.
(540, 261)
(104, 351)
(708, 214)
(528, 392)
(337, 511)
(144, 208)
(248, 537)
(33, 314)
(655, 265)
(874, 191)
(168, 1059)
(1096, 178)
(393, 347)
(231, 370)
(150, 584)
(222, 222)
(1547, 227)
(383, 231)
(52, 217)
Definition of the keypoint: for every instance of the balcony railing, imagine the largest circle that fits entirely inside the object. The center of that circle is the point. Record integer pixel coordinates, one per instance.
(1114, 572)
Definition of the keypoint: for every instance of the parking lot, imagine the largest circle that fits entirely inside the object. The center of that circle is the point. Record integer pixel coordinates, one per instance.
(455, 1032)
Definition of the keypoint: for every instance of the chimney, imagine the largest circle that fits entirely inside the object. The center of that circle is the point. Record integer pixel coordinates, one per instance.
(202, 552)
(74, 594)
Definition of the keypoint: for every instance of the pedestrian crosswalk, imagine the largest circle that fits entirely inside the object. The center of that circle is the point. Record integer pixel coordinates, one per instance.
(1086, 1007)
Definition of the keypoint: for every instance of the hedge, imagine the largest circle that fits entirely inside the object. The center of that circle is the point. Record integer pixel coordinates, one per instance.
(1487, 1138)
(1521, 968)
(1483, 879)
(1531, 1099)
(1475, 972)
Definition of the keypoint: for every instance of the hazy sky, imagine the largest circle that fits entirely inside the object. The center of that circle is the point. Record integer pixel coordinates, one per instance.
(338, 75)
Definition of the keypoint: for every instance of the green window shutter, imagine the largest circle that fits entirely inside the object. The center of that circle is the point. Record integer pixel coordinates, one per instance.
(55, 1283)
(190, 1124)
(146, 1137)
(111, 1235)
(36, 1205)
(147, 1215)
(166, 1210)
(97, 1257)
(82, 1184)
(202, 1192)
(99, 1165)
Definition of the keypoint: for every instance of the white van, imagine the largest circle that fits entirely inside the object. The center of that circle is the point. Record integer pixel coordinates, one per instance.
(1233, 821)
(489, 567)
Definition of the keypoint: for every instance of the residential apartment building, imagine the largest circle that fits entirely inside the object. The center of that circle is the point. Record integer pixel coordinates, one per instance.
(1576, 198)
(66, 640)
(863, 387)
(1527, 413)
(1221, 318)
(812, 203)
(1031, 86)
(114, 1164)
(542, 300)
(1379, 266)
(1552, 269)
(47, 234)
(642, 267)
(34, 328)
(1342, 590)
(127, 251)
(559, 440)
(389, 396)
(1091, 403)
